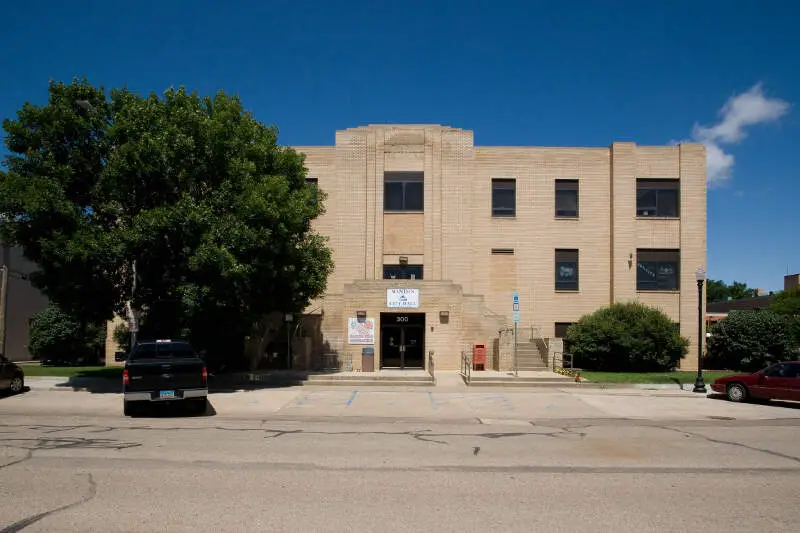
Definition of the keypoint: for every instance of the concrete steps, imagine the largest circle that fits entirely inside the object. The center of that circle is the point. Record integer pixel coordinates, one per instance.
(529, 359)
(529, 379)
(372, 379)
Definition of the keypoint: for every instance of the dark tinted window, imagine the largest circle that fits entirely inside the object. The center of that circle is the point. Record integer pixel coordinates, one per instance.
(783, 370)
(566, 198)
(657, 198)
(313, 182)
(566, 270)
(504, 197)
(658, 270)
(403, 191)
(166, 350)
(402, 271)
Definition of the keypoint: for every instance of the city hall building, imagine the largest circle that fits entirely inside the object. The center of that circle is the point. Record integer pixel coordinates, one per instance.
(439, 244)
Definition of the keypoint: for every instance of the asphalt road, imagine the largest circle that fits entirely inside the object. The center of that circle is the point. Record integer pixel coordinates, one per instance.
(107, 473)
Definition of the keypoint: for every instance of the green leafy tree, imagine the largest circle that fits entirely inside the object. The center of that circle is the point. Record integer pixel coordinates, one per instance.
(787, 305)
(719, 291)
(191, 193)
(58, 337)
(627, 337)
(749, 340)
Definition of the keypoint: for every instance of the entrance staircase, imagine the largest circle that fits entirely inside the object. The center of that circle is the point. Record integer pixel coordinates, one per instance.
(382, 378)
(529, 359)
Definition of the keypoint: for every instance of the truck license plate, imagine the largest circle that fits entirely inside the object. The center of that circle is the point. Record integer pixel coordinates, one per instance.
(167, 394)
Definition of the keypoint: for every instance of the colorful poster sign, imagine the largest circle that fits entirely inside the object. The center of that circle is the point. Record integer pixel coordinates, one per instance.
(360, 331)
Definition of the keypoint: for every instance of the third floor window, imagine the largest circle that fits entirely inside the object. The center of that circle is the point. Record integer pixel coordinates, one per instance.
(403, 191)
(566, 198)
(504, 197)
(658, 198)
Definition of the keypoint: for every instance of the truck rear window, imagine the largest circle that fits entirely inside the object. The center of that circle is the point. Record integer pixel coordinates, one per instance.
(163, 351)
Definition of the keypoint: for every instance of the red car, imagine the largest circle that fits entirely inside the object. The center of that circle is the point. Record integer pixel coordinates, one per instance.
(780, 381)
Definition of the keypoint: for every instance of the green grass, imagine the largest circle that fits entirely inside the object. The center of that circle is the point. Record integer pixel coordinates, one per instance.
(652, 377)
(109, 372)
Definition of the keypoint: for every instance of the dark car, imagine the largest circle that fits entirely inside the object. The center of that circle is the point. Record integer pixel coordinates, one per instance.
(780, 381)
(164, 371)
(12, 378)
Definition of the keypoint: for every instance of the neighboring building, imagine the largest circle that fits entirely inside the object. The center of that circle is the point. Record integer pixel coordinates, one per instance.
(432, 236)
(19, 301)
(716, 311)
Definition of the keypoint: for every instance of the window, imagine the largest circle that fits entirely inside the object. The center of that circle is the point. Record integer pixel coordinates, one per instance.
(403, 191)
(657, 198)
(313, 182)
(502, 251)
(566, 198)
(504, 197)
(402, 271)
(783, 370)
(658, 270)
(566, 270)
(561, 329)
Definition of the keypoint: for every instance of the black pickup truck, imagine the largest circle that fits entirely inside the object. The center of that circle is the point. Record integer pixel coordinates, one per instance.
(164, 371)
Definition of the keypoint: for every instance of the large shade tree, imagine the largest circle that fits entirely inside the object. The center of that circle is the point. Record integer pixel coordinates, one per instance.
(191, 193)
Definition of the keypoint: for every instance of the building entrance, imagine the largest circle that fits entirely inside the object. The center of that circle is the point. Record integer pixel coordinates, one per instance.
(403, 340)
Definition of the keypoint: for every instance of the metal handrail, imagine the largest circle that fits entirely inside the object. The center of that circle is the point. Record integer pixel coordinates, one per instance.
(466, 365)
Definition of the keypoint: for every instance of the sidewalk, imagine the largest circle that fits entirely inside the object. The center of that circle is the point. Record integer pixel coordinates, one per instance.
(449, 400)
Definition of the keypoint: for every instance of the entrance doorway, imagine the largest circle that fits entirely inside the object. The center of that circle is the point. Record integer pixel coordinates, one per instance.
(402, 340)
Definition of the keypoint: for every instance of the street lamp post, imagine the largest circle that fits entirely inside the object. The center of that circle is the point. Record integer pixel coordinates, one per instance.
(699, 385)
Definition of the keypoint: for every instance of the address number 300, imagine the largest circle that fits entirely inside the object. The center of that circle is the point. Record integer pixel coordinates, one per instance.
(402, 319)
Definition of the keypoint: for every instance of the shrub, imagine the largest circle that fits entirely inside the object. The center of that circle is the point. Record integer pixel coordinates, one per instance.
(56, 337)
(750, 340)
(627, 337)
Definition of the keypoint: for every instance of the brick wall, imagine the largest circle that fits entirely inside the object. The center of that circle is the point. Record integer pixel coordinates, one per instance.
(455, 234)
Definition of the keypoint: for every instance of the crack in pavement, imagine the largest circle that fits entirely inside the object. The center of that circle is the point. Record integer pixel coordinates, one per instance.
(28, 455)
(25, 522)
(732, 443)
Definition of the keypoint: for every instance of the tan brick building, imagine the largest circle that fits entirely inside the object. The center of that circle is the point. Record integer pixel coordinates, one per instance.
(569, 229)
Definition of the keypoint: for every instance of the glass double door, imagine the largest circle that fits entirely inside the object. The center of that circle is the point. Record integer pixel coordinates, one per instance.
(402, 340)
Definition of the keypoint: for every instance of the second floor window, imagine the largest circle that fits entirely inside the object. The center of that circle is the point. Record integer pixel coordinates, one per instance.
(566, 270)
(658, 198)
(566, 198)
(658, 270)
(504, 197)
(403, 191)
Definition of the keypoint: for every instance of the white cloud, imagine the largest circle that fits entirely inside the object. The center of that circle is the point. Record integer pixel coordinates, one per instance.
(738, 114)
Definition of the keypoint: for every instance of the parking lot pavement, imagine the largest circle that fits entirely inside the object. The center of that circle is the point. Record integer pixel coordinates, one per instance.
(486, 406)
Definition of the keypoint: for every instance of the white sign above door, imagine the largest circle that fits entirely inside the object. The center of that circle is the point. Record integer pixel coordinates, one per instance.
(402, 298)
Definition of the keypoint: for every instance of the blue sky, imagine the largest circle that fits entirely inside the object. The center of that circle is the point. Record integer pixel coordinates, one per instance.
(580, 73)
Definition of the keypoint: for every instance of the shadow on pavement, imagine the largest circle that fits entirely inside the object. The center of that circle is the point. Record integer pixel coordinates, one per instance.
(9, 394)
(109, 381)
(171, 410)
(776, 403)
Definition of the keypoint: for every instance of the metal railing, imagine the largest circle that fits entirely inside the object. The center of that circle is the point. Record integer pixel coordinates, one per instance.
(535, 333)
(466, 365)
